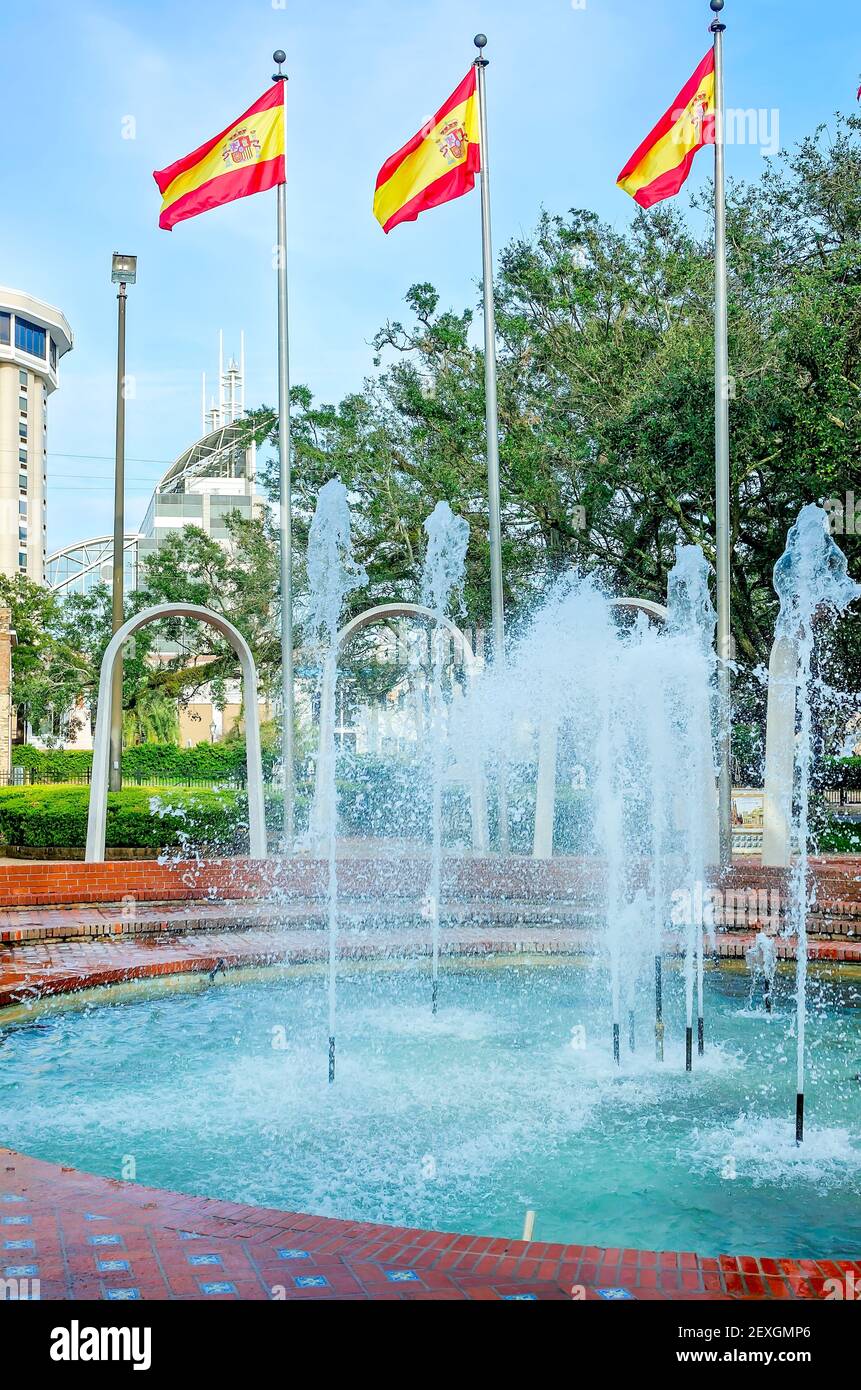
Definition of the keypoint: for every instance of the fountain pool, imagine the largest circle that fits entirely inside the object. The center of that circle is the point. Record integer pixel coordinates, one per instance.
(507, 1099)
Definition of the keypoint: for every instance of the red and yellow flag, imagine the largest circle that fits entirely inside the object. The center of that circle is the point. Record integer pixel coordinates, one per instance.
(438, 164)
(662, 163)
(247, 157)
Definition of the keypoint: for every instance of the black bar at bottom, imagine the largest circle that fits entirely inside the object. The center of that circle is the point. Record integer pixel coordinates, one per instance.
(616, 1057)
(689, 1049)
(799, 1117)
(701, 1036)
(331, 1059)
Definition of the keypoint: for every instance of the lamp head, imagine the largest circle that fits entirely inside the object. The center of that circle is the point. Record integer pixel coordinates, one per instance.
(124, 269)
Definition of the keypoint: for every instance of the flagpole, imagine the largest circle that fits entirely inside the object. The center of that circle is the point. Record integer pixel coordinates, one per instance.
(722, 476)
(285, 524)
(497, 602)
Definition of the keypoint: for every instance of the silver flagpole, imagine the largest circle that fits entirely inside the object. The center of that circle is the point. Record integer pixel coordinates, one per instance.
(286, 519)
(722, 506)
(497, 605)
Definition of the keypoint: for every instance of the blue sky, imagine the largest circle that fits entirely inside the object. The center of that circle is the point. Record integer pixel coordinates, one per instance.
(572, 89)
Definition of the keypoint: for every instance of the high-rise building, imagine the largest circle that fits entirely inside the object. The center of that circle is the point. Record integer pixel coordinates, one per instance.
(211, 479)
(33, 338)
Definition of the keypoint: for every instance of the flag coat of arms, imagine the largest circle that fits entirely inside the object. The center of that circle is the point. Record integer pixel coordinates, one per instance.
(246, 157)
(438, 164)
(660, 166)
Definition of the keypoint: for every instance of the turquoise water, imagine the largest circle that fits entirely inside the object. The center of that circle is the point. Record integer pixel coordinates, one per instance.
(465, 1120)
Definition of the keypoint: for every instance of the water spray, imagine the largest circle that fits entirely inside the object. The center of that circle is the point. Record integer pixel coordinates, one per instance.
(809, 576)
(701, 1032)
(692, 620)
(332, 574)
(659, 1009)
(689, 995)
(445, 561)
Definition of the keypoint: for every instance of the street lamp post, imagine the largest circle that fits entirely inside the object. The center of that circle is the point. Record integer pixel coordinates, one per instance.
(123, 272)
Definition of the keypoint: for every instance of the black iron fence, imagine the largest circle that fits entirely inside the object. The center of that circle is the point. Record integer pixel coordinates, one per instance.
(34, 777)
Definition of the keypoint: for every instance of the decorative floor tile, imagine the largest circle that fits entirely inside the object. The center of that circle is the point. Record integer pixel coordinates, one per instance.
(221, 1286)
(293, 1254)
(401, 1276)
(311, 1281)
(113, 1266)
(119, 1295)
(614, 1295)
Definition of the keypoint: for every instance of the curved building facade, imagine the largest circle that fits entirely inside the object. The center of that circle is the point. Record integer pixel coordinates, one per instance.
(33, 338)
(212, 478)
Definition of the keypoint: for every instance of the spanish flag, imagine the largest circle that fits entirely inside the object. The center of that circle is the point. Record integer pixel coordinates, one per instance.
(247, 157)
(663, 161)
(438, 164)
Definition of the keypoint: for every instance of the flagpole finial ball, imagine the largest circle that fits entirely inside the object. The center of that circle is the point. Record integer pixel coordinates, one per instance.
(716, 5)
(279, 56)
(480, 41)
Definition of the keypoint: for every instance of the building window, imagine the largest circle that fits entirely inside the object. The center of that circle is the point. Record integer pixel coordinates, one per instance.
(22, 508)
(22, 457)
(5, 328)
(22, 481)
(22, 534)
(29, 337)
(22, 404)
(22, 560)
(53, 355)
(22, 380)
(22, 430)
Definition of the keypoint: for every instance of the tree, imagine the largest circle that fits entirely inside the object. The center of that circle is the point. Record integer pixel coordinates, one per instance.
(606, 381)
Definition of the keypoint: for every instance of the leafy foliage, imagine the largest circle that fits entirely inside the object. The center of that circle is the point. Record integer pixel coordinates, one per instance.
(606, 397)
(46, 815)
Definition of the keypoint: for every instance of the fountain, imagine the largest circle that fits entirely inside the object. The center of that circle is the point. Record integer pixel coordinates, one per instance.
(761, 959)
(332, 574)
(692, 618)
(448, 538)
(810, 578)
(564, 955)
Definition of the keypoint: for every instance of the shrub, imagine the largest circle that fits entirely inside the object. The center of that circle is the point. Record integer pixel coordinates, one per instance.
(214, 762)
(57, 816)
(839, 837)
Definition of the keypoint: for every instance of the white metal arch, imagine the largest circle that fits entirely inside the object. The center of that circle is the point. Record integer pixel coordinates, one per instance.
(97, 814)
(322, 780)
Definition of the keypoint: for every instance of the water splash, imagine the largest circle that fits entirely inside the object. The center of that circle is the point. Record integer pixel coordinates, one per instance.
(810, 578)
(333, 573)
(628, 708)
(442, 578)
(761, 961)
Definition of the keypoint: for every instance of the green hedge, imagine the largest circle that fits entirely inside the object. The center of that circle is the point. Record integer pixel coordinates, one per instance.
(46, 815)
(839, 837)
(162, 761)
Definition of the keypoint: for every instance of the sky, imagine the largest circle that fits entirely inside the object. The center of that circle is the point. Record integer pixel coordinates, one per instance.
(99, 94)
